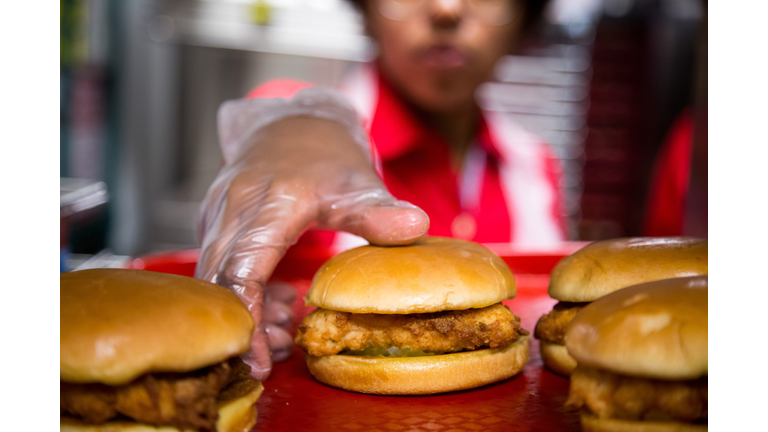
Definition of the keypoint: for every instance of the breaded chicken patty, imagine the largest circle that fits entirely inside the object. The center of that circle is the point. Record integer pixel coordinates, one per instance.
(610, 395)
(184, 400)
(551, 327)
(325, 332)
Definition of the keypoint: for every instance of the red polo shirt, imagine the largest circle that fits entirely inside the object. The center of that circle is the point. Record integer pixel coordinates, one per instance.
(414, 163)
(416, 167)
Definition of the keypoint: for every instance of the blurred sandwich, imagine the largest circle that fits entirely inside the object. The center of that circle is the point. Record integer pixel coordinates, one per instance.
(603, 267)
(143, 350)
(642, 358)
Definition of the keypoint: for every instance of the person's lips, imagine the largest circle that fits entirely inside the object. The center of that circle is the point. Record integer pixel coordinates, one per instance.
(444, 57)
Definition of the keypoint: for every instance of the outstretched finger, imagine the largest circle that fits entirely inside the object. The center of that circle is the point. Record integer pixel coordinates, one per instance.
(253, 255)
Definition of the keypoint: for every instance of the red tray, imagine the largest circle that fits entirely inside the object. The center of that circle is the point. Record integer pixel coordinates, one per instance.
(293, 400)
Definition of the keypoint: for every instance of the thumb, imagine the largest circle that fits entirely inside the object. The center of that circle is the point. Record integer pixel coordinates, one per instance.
(381, 220)
(398, 223)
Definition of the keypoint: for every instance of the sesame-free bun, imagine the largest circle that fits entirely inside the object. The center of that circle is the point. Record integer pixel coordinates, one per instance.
(603, 267)
(420, 375)
(235, 415)
(118, 324)
(556, 358)
(591, 423)
(652, 330)
(431, 275)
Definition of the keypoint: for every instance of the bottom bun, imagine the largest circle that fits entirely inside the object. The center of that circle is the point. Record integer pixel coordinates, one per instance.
(235, 415)
(556, 358)
(590, 423)
(420, 375)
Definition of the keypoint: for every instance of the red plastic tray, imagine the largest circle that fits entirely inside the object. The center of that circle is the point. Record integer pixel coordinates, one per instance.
(293, 400)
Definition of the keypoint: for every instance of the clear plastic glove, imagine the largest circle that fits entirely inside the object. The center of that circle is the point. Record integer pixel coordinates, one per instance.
(310, 168)
(278, 317)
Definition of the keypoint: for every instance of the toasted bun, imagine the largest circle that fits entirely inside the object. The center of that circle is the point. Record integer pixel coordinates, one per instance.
(237, 415)
(604, 267)
(119, 324)
(420, 375)
(653, 330)
(590, 423)
(556, 358)
(431, 275)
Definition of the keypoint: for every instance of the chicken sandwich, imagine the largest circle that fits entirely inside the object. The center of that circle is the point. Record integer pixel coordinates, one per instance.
(642, 358)
(603, 267)
(141, 350)
(418, 319)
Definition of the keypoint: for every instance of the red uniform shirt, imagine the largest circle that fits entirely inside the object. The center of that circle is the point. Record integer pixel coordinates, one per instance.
(416, 167)
(506, 190)
(669, 185)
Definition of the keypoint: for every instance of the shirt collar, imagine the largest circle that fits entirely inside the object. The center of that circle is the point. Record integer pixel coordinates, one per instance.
(486, 140)
(394, 129)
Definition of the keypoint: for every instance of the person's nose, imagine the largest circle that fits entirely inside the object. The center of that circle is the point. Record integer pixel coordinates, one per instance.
(446, 13)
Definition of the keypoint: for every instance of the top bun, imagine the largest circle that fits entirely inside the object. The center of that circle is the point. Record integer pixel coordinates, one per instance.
(606, 266)
(119, 324)
(431, 275)
(653, 330)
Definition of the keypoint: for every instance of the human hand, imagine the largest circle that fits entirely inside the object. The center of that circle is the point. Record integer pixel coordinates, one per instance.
(278, 316)
(296, 173)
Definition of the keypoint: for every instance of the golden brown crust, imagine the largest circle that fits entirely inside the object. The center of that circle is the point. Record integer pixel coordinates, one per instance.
(551, 327)
(325, 332)
(590, 423)
(110, 320)
(420, 375)
(184, 400)
(610, 395)
(654, 330)
(556, 358)
(235, 415)
(603, 267)
(431, 275)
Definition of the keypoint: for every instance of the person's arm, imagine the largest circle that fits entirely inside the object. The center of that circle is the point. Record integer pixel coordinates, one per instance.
(291, 165)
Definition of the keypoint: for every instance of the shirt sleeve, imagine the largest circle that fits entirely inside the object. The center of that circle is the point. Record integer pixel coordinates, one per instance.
(240, 119)
(278, 88)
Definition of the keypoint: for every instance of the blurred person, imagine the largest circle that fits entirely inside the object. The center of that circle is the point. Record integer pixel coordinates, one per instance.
(400, 151)
(670, 180)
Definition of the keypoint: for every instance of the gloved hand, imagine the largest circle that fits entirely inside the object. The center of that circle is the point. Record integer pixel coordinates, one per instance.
(307, 168)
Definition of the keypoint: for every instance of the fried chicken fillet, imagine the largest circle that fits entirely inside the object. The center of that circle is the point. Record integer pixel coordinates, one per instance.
(325, 332)
(611, 395)
(183, 400)
(551, 327)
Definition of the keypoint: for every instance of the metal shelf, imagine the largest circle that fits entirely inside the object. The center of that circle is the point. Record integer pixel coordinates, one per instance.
(295, 28)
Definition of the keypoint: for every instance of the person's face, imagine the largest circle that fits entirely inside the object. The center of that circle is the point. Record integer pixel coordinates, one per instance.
(438, 55)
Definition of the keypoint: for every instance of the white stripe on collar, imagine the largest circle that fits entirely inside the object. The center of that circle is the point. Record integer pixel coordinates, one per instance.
(524, 181)
(471, 178)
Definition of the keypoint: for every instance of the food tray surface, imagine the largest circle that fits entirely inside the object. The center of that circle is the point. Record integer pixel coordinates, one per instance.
(293, 401)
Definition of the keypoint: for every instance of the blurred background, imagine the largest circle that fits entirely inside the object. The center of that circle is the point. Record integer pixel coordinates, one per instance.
(605, 82)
